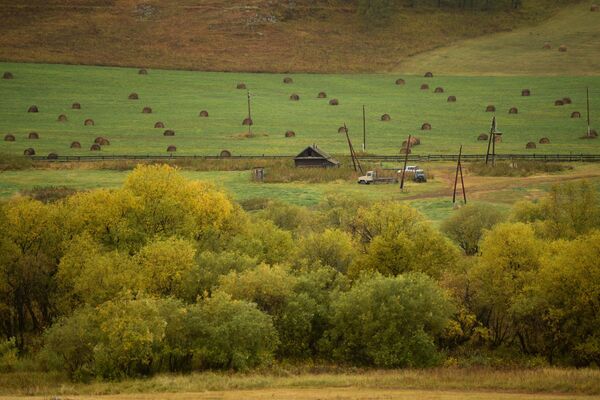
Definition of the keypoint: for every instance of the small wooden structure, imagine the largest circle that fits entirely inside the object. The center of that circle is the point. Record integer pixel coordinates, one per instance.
(314, 157)
(258, 174)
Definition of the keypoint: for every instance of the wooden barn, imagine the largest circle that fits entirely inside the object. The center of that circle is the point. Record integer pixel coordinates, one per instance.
(314, 157)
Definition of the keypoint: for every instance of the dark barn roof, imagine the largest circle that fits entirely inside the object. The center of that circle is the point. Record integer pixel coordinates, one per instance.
(312, 156)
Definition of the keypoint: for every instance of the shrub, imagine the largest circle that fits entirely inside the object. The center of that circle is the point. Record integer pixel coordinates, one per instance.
(8, 355)
(516, 168)
(332, 247)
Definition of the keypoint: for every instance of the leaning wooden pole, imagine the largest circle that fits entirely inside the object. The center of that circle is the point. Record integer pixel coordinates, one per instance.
(462, 182)
(355, 162)
(456, 175)
(487, 153)
(589, 128)
(249, 115)
(407, 150)
(365, 130)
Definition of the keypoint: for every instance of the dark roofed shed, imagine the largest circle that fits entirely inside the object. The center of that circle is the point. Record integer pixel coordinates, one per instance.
(314, 157)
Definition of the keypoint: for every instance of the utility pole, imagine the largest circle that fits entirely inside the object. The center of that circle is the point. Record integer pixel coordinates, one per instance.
(589, 129)
(462, 181)
(405, 161)
(365, 130)
(355, 162)
(249, 116)
(492, 143)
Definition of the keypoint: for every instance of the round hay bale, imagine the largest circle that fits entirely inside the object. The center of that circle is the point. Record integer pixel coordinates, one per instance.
(8, 75)
(530, 145)
(426, 126)
(29, 152)
(76, 106)
(424, 86)
(490, 108)
(575, 114)
(400, 81)
(405, 150)
(547, 46)
(322, 95)
(203, 114)
(451, 99)
(594, 8)
(171, 149)
(294, 97)
(559, 103)
(9, 138)
(334, 102)
(75, 145)
(241, 85)
(100, 140)
(88, 122)
(567, 100)
(52, 156)
(95, 147)
(562, 48)
(288, 80)
(513, 110)
(247, 121)
(544, 140)
(169, 132)
(593, 133)
(133, 96)
(342, 129)
(428, 75)
(33, 135)
(62, 118)
(290, 134)
(143, 71)
(439, 89)
(483, 136)
(386, 117)
(414, 141)
(147, 110)
(525, 92)
(159, 124)
(225, 153)
(33, 109)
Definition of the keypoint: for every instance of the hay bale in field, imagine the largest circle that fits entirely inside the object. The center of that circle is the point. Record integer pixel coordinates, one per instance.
(147, 110)
(171, 149)
(593, 135)
(342, 129)
(290, 134)
(426, 126)
(400, 81)
(414, 141)
(294, 97)
(513, 110)
(575, 114)
(203, 114)
(490, 108)
(159, 124)
(567, 100)
(75, 145)
(562, 48)
(33, 109)
(33, 135)
(544, 140)
(29, 152)
(143, 71)
(525, 92)
(483, 136)
(247, 121)
(530, 145)
(52, 156)
(428, 75)
(169, 132)
(133, 96)
(62, 118)
(76, 106)
(9, 138)
(88, 122)
(8, 75)
(451, 99)
(386, 117)
(424, 86)
(95, 147)
(288, 80)
(334, 102)
(439, 89)
(594, 8)
(100, 140)
(547, 46)
(225, 153)
(322, 95)
(559, 103)
(241, 85)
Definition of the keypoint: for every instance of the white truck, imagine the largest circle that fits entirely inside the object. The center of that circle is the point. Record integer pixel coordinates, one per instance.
(371, 177)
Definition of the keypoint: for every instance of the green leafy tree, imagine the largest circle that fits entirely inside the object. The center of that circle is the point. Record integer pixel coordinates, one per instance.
(331, 247)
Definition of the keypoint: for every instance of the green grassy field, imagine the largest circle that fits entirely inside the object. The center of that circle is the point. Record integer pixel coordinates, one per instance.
(177, 97)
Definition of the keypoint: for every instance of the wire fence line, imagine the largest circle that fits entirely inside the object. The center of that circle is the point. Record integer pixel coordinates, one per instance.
(571, 157)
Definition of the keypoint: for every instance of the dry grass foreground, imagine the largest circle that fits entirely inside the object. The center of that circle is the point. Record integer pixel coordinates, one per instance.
(252, 36)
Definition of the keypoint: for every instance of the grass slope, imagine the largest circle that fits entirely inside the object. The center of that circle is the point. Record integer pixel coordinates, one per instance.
(521, 52)
(253, 35)
(177, 97)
